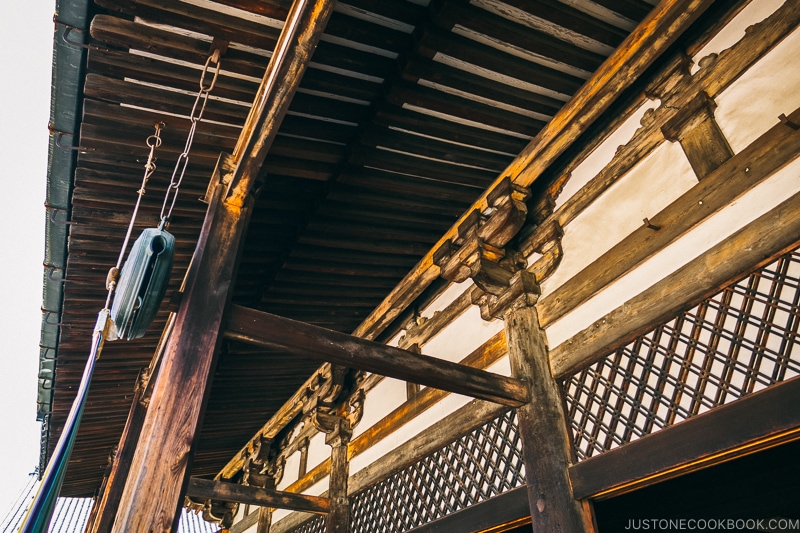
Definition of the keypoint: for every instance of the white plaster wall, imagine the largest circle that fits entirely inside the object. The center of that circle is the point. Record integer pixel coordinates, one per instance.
(758, 201)
(462, 336)
(318, 451)
(651, 185)
(425, 420)
(453, 291)
(387, 396)
(755, 11)
(751, 105)
(290, 471)
(501, 366)
(604, 153)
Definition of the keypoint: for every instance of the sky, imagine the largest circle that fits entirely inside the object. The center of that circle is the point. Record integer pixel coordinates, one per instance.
(27, 27)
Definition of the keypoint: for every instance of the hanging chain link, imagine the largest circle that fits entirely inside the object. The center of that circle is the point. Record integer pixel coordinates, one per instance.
(153, 142)
(212, 64)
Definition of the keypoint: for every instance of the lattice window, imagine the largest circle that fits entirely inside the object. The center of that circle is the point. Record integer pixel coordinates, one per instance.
(741, 340)
(315, 525)
(481, 464)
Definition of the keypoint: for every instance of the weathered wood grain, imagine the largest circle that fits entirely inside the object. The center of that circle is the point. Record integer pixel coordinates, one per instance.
(666, 22)
(206, 489)
(312, 342)
(543, 428)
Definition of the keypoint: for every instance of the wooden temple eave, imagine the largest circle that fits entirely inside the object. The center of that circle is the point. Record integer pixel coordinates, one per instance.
(742, 170)
(653, 37)
(509, 241)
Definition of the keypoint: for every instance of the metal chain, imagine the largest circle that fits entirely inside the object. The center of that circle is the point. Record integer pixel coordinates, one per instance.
(153, 142)
(195, 116)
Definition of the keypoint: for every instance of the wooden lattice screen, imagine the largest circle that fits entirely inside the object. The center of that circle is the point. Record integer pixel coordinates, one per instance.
(485, 462)
(738, 341)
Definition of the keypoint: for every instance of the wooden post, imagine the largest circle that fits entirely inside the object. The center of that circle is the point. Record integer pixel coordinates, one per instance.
(161, 465)
(546, 442)
(159, 471)
(339, 431)
(105, 510)
(264, 520)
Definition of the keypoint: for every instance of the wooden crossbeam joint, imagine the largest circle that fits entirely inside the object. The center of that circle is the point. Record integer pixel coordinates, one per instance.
(478, 252)
(233, 492)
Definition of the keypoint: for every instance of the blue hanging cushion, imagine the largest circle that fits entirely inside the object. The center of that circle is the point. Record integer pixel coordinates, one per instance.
(142, 283)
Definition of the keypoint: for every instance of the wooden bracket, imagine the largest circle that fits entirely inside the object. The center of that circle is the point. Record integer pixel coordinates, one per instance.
(256, 465)
(701, 138)
(522, 290)
(478, 251)
(338, 424)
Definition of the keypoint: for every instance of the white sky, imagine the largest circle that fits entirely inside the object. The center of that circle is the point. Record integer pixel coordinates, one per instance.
(25, 63)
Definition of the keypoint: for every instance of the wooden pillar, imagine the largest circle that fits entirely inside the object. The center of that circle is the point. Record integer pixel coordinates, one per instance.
(105, 510)
(153, 492)
(338, 424)
(161, 465)
(264, 520)
(546, 441)
(261, 469)
(339, 430)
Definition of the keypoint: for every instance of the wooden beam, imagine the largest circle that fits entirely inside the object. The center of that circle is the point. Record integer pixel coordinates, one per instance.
(105, 509)
(773, 150)
(313, 342)
(301, 32)
(543, 428)
(751, 246)
(666, 22)
(482, 357)
(207, 489)
(159, 471)
(504, 512)
(750, 424)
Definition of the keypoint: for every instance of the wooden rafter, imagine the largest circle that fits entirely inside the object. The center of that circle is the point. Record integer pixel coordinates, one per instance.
(654, 35)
